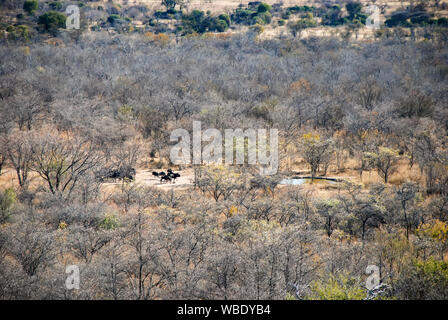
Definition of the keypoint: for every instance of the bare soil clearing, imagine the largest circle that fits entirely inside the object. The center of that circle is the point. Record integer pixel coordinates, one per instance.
(145, 177)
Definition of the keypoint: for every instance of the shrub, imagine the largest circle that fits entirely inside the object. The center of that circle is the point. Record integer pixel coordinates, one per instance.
(341, 287)
(110, 222)
(398, 18)
(257, 28)
(299, 25)
(30, 6)
(169, 4)
(243, 16)
(297, 9)
(22, 31)
(263, 18)
(56, 5)
(192, 21)
(198, 22)
(424, 280)
(225, 17)
(307, 8)
(216, 24)
(52, 20)
(353, 9)
(294, 9)
(420, 18)
(112, 18)
(7, 200)
(333, 17)
(286, 15)
(264, 7)
(442, 21)
(167, 14)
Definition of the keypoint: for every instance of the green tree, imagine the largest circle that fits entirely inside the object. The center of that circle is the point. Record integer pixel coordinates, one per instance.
(169, 4)
(56, 5)
(263, 7)
(333, 16)
(353, 9)
(298, 26)
(385, 161)
(329, 211)
(30, 6)
(316, 151)
(225, 17)
(52, 20)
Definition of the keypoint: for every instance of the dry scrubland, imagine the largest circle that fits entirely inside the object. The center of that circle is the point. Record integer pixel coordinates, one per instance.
(165, 21)
(75, 106)
(274, 30)
(227, 5)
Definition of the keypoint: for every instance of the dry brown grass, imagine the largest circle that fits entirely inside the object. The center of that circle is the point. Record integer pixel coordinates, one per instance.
(8, 179)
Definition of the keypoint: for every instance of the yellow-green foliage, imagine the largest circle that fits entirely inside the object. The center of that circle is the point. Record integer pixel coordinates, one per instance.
(290, 297)
(310, 138)
(337, 287)
(18, 32)
(109, 222)
(328, 204)
(437, 231)
(424, 280)
(7, 201)
(385, 160)
(383, 154)
(125, 113)
(433, 267)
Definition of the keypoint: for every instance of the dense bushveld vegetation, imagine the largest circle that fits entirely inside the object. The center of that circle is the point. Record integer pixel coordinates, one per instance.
(68, 110)
(47, 17)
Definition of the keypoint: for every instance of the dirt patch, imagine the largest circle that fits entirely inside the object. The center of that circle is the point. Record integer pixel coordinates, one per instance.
(145, 177)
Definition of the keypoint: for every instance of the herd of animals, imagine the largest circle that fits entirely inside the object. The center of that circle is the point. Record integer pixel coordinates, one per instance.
(128, 173)
(166, 177)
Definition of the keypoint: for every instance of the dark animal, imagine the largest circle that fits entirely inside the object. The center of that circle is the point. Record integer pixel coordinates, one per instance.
(165, 178)
(126, 173)
(174, 176)
(155, 174)
(120, 173)
(107, 173)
